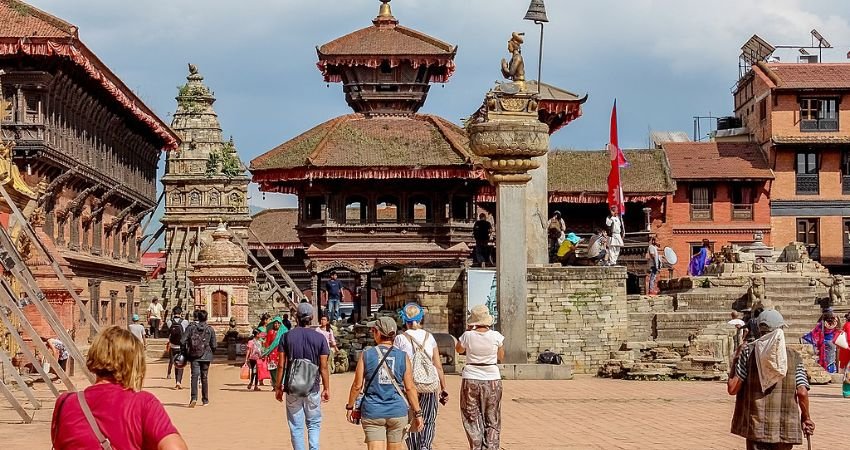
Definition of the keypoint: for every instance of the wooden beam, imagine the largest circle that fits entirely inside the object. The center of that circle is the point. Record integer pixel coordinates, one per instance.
(28, 354)
(6, 298)
(5, 360)
(15, 403)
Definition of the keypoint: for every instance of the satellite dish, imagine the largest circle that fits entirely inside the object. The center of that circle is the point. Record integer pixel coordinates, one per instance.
(670, 256)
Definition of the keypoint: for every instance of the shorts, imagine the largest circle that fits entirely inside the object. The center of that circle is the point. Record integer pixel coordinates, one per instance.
(388, 430)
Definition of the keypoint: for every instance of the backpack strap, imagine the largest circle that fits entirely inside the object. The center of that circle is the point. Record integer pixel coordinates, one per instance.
(416, 345)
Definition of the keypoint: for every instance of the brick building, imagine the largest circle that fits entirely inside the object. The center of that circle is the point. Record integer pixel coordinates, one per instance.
(799, 114)
(722, 194)
(85, 150)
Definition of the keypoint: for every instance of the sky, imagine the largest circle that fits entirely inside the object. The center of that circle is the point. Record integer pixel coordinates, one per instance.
(665, 61)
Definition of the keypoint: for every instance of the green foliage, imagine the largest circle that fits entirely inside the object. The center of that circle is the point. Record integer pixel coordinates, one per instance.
(224, 161)
(705, 283)
(187, 97)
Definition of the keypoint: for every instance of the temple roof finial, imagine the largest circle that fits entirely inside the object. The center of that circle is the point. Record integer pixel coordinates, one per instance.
(385, 16)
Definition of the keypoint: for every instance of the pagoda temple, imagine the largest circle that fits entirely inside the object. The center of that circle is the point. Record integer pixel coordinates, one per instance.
(386, 187)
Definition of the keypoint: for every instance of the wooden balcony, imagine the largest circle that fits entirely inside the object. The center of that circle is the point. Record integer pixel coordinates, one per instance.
(742, 212)
(702, 212)
(808, 184)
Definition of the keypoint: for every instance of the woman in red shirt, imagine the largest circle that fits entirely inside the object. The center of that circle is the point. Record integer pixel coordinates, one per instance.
(127, 416)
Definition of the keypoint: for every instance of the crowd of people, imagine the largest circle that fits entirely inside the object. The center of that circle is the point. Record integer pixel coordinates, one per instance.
(603, 248)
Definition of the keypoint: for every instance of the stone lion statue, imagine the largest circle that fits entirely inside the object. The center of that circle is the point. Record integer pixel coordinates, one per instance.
(757, 294)
(837, 290)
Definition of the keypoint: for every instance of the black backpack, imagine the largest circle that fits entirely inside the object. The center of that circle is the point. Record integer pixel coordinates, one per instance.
(196, 346)
(548, 357)
(175, 333)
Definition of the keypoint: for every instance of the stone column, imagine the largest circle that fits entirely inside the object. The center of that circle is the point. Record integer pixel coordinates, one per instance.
(509, 134)
(537, 212)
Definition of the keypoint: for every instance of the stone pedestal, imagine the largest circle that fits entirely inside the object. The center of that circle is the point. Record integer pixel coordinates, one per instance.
(511, 269)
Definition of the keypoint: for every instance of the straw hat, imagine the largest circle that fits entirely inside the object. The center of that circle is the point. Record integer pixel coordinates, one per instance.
(480, 316)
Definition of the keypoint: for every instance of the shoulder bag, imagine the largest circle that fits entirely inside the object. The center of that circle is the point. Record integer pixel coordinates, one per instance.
(103, 440)
(300, 375)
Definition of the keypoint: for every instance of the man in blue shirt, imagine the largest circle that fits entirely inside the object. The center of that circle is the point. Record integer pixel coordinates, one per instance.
(304, 342)
(334, 288)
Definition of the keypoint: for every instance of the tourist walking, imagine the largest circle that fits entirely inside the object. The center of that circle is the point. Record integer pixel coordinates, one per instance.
(199, 342)
(654, 256)
(481, 231)
(303, 352)
(326, 330)
(428, 377)
(269, 351)
(122, 413)
(384, 406)
(176, 328)
(60, 351)
(138, 330)
(253, 353)
(615, 242)
(772, 389)
(334, 289)
(155, 315)
(481, 385)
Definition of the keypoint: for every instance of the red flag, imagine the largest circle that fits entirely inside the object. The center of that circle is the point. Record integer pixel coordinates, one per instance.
(618, 160)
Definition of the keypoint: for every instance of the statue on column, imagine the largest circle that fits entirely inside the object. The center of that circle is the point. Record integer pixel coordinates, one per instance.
(515, 69)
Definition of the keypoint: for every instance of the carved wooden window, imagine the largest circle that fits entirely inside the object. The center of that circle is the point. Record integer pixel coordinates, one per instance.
(219, 304)
(314, 209)
(32, 113)
(356, 209)
(460, 208)
(420, 210)
(701, 202)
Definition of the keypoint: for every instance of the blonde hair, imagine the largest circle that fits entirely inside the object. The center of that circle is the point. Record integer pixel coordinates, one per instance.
(117, 355)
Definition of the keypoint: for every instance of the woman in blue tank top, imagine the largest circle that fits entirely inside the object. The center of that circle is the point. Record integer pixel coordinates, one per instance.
(389, 390)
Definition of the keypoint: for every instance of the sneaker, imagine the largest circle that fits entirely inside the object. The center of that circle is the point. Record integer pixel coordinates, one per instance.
(193, 403)
(179, 387)
(205, 403)
(256, 388)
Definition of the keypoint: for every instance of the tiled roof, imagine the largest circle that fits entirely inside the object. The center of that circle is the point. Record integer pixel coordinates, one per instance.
(275, 227)
(394, 40)
(813, 138)
(359, 142)
(18, 19)
(716, 160)
(811, 76)
(587, 172)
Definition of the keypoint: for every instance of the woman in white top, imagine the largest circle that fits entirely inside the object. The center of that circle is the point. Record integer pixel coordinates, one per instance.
(481, 388)
(412, 340)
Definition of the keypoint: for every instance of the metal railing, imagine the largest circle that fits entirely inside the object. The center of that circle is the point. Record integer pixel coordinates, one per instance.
(819, 125)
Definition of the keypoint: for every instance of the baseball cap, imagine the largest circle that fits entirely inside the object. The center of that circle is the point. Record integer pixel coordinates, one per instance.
(386, 325)
(305, 310)
(135, 317)
(771, 319)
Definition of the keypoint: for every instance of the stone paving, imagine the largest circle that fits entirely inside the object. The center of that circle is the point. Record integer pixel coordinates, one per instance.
(586, 413)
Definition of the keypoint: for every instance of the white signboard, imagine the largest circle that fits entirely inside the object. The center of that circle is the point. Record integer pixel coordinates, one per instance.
(481, 290)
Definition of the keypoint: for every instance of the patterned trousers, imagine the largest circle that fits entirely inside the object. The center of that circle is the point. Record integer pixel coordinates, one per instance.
(423, 440)
(481, 408)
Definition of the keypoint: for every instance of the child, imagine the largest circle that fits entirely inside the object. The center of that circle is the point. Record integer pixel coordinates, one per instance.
(251, 356)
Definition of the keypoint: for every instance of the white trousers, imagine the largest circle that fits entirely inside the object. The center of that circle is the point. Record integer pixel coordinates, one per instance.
(613, 254)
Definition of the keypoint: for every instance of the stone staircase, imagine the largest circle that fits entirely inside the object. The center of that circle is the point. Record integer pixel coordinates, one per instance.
(797, 300)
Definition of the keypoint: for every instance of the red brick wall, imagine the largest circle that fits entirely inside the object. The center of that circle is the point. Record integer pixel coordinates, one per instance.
(679, 231)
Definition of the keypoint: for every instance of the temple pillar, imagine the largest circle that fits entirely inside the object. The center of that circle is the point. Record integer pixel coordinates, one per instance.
(511, 268)
(509, 135)
(97, 235)
(74, 232)
(537, 212)
(365, 309)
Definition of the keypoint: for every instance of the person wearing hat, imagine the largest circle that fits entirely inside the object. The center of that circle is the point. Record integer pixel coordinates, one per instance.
(481, 385)
(385, 405)
(413, 340)
(303, 342)
(772, 389)
(138, 330)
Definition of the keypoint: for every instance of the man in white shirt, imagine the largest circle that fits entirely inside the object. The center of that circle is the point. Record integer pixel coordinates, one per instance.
(654, 266)
(154, 316)
(615, 242)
